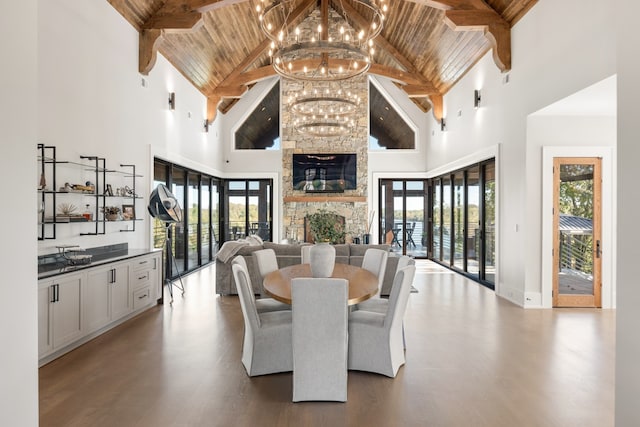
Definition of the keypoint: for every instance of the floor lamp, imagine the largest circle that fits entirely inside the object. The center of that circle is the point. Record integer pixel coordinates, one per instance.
(164, 206)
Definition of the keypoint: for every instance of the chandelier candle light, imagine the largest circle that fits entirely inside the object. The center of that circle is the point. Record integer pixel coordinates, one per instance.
(325, 46)
(324, 110)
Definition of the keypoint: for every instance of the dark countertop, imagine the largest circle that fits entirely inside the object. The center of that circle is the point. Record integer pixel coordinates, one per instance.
(57, 268)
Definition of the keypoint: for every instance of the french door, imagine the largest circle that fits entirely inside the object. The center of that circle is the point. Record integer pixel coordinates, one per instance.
(403, 207)
(577, 232)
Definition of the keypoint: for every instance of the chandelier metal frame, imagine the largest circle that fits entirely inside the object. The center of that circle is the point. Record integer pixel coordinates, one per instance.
(326, 45)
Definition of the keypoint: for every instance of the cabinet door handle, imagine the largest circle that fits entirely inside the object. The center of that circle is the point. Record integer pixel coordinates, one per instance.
(143, 262)
(53, 293)
(56, 293)
(142, 277)
(115, 277)
(142, 296)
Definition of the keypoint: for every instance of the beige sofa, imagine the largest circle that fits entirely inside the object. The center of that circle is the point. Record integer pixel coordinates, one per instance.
(290, 254)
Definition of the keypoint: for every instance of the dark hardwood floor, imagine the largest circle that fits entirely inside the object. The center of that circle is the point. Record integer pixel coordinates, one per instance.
(472, 360)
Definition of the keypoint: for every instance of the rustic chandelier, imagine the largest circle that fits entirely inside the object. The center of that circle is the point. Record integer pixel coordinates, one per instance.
(330, 44)
(324, 110)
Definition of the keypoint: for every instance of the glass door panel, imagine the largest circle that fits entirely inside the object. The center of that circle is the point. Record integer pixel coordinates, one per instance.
(179, 240)
(446, 220)
(473, 221)
(402, 216)
(577, 232)
(415, 232)
(215, 216)
(386, 213)
(489, 222)
(458, 220)
(205, 220)
(437, 219)
(237, 210)
(398, 215)
(193, 221)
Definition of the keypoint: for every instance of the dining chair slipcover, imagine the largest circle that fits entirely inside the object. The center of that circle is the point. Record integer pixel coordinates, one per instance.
(266, 261)
(263, 305)
(375, 261)
(320, 340)
(380, 305)
(266, 346)
(305, 254)
(375, 339)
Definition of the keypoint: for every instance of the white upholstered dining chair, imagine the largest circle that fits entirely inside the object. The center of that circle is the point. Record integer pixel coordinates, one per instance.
(266, 345)
(263, 305)
(375, 339)
(320, 343)
(375, 261)
(305, 254)
(380, 305)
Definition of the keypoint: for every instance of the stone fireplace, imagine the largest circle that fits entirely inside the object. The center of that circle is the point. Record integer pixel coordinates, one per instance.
(351, 204)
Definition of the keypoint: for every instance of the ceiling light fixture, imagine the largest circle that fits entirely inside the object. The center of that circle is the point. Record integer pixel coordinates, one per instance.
(326, 45)
(324, 109)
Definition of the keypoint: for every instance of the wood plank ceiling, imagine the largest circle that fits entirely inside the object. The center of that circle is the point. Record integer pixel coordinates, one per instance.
(426, 46)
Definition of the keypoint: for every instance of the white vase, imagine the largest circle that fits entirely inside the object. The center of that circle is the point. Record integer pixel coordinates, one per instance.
(322, 257)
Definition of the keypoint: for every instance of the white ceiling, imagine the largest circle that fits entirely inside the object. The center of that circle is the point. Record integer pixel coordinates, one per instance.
(596, 100)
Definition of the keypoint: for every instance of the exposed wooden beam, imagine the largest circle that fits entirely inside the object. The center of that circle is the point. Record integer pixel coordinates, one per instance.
(415, 91)
(212, 107)
(436, 106)
(148, 50)
(492, 25)
(401, 76)
(477, 15)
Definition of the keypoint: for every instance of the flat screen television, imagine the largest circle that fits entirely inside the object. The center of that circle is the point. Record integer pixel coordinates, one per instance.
(324, 173)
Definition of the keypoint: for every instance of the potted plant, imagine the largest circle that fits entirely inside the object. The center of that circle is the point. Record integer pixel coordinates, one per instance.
(326, 227)
(111, 212)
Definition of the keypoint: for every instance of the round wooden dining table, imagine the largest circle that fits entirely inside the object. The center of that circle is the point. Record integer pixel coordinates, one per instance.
(362, 283)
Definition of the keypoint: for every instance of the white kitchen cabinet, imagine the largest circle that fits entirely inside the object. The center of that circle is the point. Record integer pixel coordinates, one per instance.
(105, 295)
(59, 312)
(78, 306)
(145, 274)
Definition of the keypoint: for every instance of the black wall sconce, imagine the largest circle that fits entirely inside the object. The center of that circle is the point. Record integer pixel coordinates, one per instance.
(206, 125)
(443, 125)
(172, 100)
(477, 97)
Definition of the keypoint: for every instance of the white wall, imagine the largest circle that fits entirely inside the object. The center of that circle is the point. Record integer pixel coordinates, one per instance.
(92, 101)
(628, 312)
(556, 52)
(18, 316)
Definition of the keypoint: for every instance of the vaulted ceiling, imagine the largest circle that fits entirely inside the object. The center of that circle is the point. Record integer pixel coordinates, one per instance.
(425, 46)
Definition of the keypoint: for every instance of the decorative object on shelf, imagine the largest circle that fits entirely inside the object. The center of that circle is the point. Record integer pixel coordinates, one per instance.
(128, 212)
(366, 237)
(88, 215)
(328, 44)
(111, 213)
(87, 188)
(322, 259)
(43, 182)
(108, 190)
(66, 209)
